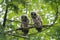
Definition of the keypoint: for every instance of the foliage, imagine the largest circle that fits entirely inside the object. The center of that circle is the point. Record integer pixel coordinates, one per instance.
(12, 10)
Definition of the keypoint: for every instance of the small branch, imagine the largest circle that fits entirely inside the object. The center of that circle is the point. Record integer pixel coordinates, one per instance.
(13, 21)
(15, 35)
(5, 16)
(38, 32)
(56, 15)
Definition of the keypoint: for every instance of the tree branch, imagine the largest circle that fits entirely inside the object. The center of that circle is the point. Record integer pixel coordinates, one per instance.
(5, 16)
(15, 35)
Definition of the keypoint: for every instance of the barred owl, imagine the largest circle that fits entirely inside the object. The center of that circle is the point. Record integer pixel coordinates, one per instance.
(25, 24)
(37, 21)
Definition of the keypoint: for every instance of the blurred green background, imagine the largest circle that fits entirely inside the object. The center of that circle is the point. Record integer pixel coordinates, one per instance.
(12, 10)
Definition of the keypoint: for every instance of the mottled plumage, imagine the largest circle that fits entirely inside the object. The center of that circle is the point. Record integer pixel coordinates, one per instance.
(25, 24)
(37, 21)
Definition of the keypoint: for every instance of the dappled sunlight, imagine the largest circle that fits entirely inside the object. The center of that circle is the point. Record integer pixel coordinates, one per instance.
(0, 9)
(15, 27)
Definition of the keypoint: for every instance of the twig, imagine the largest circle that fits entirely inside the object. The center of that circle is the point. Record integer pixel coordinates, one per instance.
(26, 37)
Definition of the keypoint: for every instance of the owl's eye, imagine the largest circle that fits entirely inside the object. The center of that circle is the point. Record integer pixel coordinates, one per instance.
(31, 13)
(25, 17)
(34, 14)
(21, 16)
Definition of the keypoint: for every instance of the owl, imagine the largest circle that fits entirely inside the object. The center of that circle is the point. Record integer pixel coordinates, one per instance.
(37, 21)
(25, 24)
